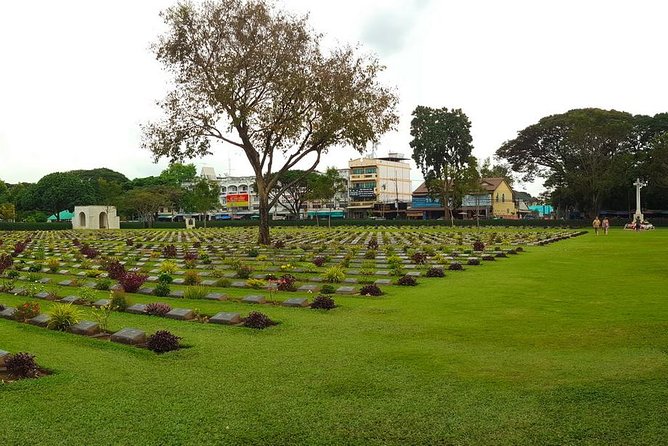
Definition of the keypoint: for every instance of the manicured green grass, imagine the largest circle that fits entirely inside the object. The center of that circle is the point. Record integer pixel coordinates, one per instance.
(562, 344)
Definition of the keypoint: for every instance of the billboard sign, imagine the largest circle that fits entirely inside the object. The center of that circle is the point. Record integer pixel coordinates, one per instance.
(238, 200)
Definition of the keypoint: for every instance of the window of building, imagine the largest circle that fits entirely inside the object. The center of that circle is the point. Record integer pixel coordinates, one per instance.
(497, 197)
(364, 185)
(370, 170)
(503, 198)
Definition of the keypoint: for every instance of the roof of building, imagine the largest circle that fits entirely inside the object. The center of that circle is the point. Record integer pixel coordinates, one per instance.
(490, 184)
(64, 215)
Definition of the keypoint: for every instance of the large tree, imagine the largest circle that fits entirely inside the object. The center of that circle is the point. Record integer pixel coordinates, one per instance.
(203, 197)
(178, 174)
(256, 78)
(582, 154)
(326, 187)
(442, 146)
(145, 202)
(59, 191)
(299, 189)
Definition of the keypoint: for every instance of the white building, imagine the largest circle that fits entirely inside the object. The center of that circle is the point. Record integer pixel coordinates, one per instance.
(379, 187)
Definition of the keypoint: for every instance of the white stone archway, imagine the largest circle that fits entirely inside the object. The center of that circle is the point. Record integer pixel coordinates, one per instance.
(95, 217)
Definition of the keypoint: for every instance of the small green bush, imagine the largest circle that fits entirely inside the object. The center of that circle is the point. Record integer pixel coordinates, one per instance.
(195, 292)
(328, 289)
(63, 316)
(191, 277)
(161, 289)
(334, 274)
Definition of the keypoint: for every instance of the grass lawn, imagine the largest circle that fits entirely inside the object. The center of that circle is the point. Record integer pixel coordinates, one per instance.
(562, 344)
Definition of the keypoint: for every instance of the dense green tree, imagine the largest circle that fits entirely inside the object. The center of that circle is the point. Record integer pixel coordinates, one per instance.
(145, 202)
(203, 197)
(298, 190)
(442, 146)
(59, 191)
(326, 186)
(249, 75)
(178, 174)
(7, 212)
(4, 192)
(588, 157)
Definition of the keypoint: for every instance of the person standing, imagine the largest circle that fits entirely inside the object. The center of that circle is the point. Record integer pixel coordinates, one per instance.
(606, 225)
(638, 223)
(596, 224)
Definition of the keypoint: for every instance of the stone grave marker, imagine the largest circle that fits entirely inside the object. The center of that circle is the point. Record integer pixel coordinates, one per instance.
(70, 299)
(296, 302)
(254, 299)
(8, 313)
(181, 314)
(216, 296)
(136, 309)
(41, 320)
(86, 328)
(226, 318)
(345, 290)
(101, 303)
(131, 336)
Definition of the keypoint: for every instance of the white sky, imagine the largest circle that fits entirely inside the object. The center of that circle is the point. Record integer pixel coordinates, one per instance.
(77, 77)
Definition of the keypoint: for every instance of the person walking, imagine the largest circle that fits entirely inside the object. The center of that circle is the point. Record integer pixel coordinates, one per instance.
(596, 224)
(606, 225)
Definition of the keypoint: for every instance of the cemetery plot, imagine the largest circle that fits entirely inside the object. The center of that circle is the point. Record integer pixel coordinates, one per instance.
(226, 265)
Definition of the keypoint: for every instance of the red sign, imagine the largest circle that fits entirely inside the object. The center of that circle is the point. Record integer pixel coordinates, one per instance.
(238, 200)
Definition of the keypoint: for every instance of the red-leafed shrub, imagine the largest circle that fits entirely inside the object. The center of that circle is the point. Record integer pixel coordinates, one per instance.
(132, 281)
(158, 309)
(435, 272)
(114, 268)
(287, 283)
(258, 321)
(407, 281)
(371, 290)
(323, 302)
(169, 251)
(6, 262)
(419, 258)
(21, 365)
(478, 245)
(319, 261)
(89, 252)
(163, 341)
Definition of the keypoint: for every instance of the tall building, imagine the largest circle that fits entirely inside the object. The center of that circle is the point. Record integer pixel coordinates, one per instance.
(379, 187)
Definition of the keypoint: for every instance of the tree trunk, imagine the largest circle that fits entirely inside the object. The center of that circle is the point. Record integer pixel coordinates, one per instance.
(263, 236)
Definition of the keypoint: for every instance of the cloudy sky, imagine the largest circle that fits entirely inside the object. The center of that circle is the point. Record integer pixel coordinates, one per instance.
(77, 77)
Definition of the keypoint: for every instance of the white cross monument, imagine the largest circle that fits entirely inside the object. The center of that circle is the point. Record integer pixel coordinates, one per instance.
(639, 185)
